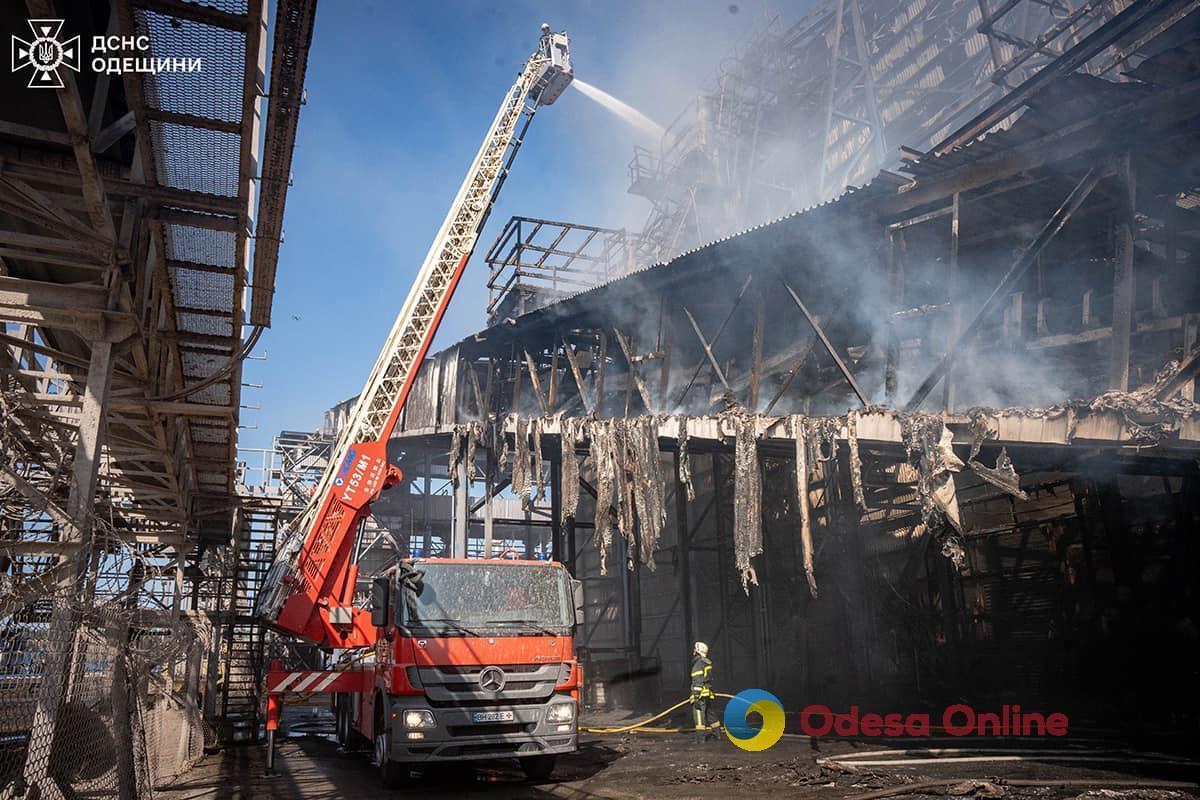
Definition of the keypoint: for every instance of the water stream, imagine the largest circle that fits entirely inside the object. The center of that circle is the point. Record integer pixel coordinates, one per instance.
(623, 110)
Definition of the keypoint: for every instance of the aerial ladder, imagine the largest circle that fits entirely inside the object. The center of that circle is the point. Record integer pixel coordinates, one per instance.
(309, 590)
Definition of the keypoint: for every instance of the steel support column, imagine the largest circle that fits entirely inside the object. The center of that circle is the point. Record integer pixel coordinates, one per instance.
(462, 511)
(952, 298)
(1123, 283)
(555, 510)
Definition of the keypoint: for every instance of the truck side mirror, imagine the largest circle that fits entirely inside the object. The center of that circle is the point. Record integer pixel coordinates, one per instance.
(380, 605)
(577, 595)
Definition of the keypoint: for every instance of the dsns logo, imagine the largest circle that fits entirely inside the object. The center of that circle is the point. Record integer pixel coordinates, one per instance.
(737, 724)
(45, 54)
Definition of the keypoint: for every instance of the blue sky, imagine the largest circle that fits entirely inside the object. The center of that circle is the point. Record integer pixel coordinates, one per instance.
(399, 98)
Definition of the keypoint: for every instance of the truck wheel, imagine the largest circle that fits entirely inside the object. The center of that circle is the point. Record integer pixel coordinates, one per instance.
(392, 774)
(342, 716)
(538, 768)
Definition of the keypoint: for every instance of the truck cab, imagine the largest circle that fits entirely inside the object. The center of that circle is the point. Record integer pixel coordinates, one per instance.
(475, 660)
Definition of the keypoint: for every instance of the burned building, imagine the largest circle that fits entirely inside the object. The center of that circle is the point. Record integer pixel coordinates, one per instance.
(933, 438)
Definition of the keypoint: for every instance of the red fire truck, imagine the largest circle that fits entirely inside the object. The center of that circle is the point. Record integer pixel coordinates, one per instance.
(455, 659)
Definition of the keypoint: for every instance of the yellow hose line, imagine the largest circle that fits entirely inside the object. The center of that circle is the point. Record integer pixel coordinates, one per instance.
(644, 722)
(626, 728)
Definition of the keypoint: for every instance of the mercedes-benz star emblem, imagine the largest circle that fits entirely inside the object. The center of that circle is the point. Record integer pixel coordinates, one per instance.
(491, 679)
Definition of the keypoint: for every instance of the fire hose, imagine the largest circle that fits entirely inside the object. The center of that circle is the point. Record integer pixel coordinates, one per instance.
(641, 726)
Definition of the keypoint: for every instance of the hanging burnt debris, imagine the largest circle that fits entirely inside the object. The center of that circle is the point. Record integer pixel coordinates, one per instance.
(927, 444)
(603, 455)
(855, 460)
(539, 490)
(1003, 476)
(798, 428)
(685, 461)
(569, 436)
(747, 500)
(630, 486)
(630, 478)
(520, 467)
(463, 441)
(644, 467)
(624, 457)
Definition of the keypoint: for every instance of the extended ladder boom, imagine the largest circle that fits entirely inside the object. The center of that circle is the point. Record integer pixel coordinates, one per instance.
(310, 587)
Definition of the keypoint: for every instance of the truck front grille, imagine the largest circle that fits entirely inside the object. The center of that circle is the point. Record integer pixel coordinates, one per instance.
(473, 703)
(525, 683)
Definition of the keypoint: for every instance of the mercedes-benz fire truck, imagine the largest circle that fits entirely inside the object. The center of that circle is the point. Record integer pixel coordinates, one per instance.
(455, 659)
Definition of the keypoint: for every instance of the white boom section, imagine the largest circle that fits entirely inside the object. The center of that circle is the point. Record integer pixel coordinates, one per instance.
(455, 241)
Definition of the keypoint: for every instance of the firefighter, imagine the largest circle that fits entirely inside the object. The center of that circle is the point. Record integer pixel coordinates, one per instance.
(702, 693)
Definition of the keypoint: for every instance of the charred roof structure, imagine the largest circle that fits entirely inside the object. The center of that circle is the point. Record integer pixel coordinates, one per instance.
(933, 438)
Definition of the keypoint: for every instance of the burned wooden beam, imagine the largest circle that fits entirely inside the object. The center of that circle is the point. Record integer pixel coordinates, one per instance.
(700, 367)
(712, 360)
(573, 363)
(637, 379)
(841, 365)
(537, 384)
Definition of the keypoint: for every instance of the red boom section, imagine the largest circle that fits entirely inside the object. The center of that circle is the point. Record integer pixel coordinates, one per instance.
(320, 602)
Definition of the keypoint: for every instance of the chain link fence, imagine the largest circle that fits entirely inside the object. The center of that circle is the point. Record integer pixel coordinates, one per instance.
(100, 689)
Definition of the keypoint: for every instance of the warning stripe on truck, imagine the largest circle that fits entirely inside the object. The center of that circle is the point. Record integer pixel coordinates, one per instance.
(279, 682)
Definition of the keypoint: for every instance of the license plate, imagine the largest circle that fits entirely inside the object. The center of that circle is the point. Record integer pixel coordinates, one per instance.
(492, 716)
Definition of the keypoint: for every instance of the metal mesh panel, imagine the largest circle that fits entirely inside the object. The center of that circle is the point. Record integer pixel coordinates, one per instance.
(200, 245)
(217, 394)
(215, 91)
(202, 364)
(196, 289)
(196, 159)
(228, 6)
(207, 433)
(202, 323)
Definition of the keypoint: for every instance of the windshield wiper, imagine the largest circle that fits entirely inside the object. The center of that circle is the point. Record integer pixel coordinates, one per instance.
(532, 624)
(453, 625)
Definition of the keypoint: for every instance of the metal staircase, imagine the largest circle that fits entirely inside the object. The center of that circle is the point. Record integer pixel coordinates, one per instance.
(242, 660)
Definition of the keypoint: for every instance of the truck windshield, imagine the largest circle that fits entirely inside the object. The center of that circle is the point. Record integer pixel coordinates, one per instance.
(466, 597)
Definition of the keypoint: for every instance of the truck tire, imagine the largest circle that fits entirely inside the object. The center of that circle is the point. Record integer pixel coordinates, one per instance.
(392, 774)
(538, 768)
(341, 710)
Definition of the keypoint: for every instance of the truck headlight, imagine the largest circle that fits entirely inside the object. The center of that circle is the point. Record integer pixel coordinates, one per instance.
(418, 718)
(561, 712)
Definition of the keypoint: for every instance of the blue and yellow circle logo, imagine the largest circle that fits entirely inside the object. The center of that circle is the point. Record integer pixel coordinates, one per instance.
(737, 725)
